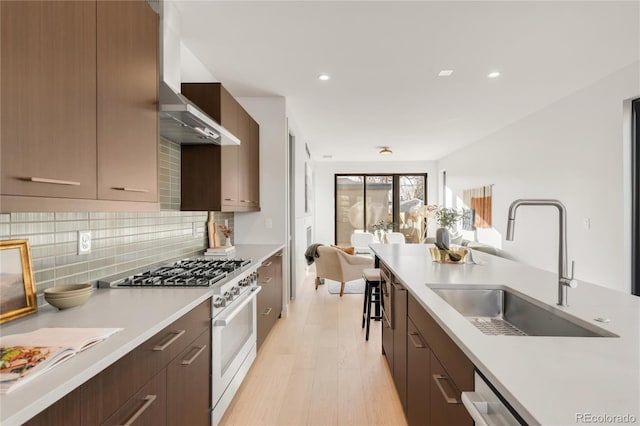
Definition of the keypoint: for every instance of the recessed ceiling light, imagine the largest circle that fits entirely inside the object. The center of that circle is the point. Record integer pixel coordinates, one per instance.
(494, 74)
(324, 77)
(386, 151)
(327, 156)
(445, 73)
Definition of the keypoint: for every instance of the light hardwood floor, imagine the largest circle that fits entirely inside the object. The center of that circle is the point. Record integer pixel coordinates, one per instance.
(316, 368)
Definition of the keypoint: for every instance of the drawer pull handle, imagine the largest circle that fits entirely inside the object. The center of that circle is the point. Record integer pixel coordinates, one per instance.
(416, 340)
(267, 311)
(148, 400)
(124, 188)
(193, 358)
(54, 181)
(280, 254)
(176, 335)
(438, 378)
(245, 201)
(229, 199)
(267, 281)
(266, 265)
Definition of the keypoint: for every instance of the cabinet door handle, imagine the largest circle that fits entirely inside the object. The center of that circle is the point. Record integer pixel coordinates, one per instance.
(245, 201)
(193, 358)
(124, 188)
(267, 281)
(54, 181)
(266, 265)
(176, 335)
(438, 378)
(229, 199)
(148, 400)
(267, 311)
(416, 340)
(280, 254)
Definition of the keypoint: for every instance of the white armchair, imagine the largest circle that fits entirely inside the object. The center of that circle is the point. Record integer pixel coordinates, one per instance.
(334, 264)
(395, 238)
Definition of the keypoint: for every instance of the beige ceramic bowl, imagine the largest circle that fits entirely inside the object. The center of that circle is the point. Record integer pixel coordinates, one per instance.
(68, 290)
(64, 297)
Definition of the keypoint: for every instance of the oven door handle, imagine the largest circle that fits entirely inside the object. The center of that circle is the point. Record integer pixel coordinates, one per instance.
(227, 318)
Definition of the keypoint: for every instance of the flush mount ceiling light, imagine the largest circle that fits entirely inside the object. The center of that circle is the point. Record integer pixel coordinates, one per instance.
(494, 74)
(445, 73)
(324, 77)
(386, 151)
(327, 156)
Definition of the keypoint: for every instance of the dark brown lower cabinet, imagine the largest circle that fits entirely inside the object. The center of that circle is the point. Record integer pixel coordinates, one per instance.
(146, 407)
(437, 371)
(445, 399)
(399, 300)
(188, 385)
(65, 412)
(164, 381)
(418, 366)
(269, 300)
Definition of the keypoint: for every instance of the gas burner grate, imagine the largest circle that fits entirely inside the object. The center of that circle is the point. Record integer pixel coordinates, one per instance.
(496, 327)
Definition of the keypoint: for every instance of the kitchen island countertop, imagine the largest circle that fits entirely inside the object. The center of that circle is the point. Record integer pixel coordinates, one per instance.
(547, 380)
(140, 312)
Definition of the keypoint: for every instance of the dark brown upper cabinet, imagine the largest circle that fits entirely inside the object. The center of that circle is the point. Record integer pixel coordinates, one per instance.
(79, 83)
(48, 99)
(221, 178)
(127, 101)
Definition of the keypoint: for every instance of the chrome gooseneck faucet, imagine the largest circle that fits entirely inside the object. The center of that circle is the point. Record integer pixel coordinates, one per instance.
(564, 282)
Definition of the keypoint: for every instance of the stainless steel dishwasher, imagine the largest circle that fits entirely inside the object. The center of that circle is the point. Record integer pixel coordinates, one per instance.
(486, 407)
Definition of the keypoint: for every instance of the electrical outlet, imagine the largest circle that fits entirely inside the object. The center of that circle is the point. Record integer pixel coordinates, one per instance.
(84, 242)
(268, 223)
(586, 222)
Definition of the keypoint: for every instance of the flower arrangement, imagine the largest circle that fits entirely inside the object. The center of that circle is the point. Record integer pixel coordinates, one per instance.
(225, 230)
(382, 225)
(448, 217)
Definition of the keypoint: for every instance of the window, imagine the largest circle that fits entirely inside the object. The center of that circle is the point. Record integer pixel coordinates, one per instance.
(363, 201)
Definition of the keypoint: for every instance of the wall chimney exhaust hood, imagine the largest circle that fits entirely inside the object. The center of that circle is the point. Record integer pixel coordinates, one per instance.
(182, 122)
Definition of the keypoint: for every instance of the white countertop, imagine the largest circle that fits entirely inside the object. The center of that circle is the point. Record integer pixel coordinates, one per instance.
(547, 380)
(140, 312)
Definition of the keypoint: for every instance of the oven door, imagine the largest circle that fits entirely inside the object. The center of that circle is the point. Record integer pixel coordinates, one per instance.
(233, 338)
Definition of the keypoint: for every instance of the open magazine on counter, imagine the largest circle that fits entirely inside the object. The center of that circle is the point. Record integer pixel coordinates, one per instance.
(23, 357)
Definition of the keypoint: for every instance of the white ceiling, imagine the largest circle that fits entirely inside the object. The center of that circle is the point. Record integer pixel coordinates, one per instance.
(384, 57)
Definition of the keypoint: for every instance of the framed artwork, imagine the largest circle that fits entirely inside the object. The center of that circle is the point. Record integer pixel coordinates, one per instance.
(17, 286)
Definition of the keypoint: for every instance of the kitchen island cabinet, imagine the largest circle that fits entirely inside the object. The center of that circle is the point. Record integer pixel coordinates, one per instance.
(79, 82)
(527, 371)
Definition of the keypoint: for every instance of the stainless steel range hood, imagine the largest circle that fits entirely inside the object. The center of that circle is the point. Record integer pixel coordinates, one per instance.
(182, 122)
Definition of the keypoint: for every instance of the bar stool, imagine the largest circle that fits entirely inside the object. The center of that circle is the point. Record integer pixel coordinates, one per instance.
(372, 296)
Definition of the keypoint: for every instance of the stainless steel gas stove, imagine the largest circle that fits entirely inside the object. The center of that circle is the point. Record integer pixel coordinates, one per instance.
(233, 314)
(196, 272)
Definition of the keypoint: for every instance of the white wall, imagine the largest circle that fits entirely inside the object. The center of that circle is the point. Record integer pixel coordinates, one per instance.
(573, 150)
(302, 219)
(267, 225)
(324, 176)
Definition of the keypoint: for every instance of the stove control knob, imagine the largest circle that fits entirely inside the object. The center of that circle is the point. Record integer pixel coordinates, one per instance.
(219, 303)
(235, 291)
(228, 295)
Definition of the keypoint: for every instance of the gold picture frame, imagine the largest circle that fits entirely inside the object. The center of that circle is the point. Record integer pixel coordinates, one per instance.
(17, 286)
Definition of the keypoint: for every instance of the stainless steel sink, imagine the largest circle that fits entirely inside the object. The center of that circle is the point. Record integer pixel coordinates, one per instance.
(502, 311)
